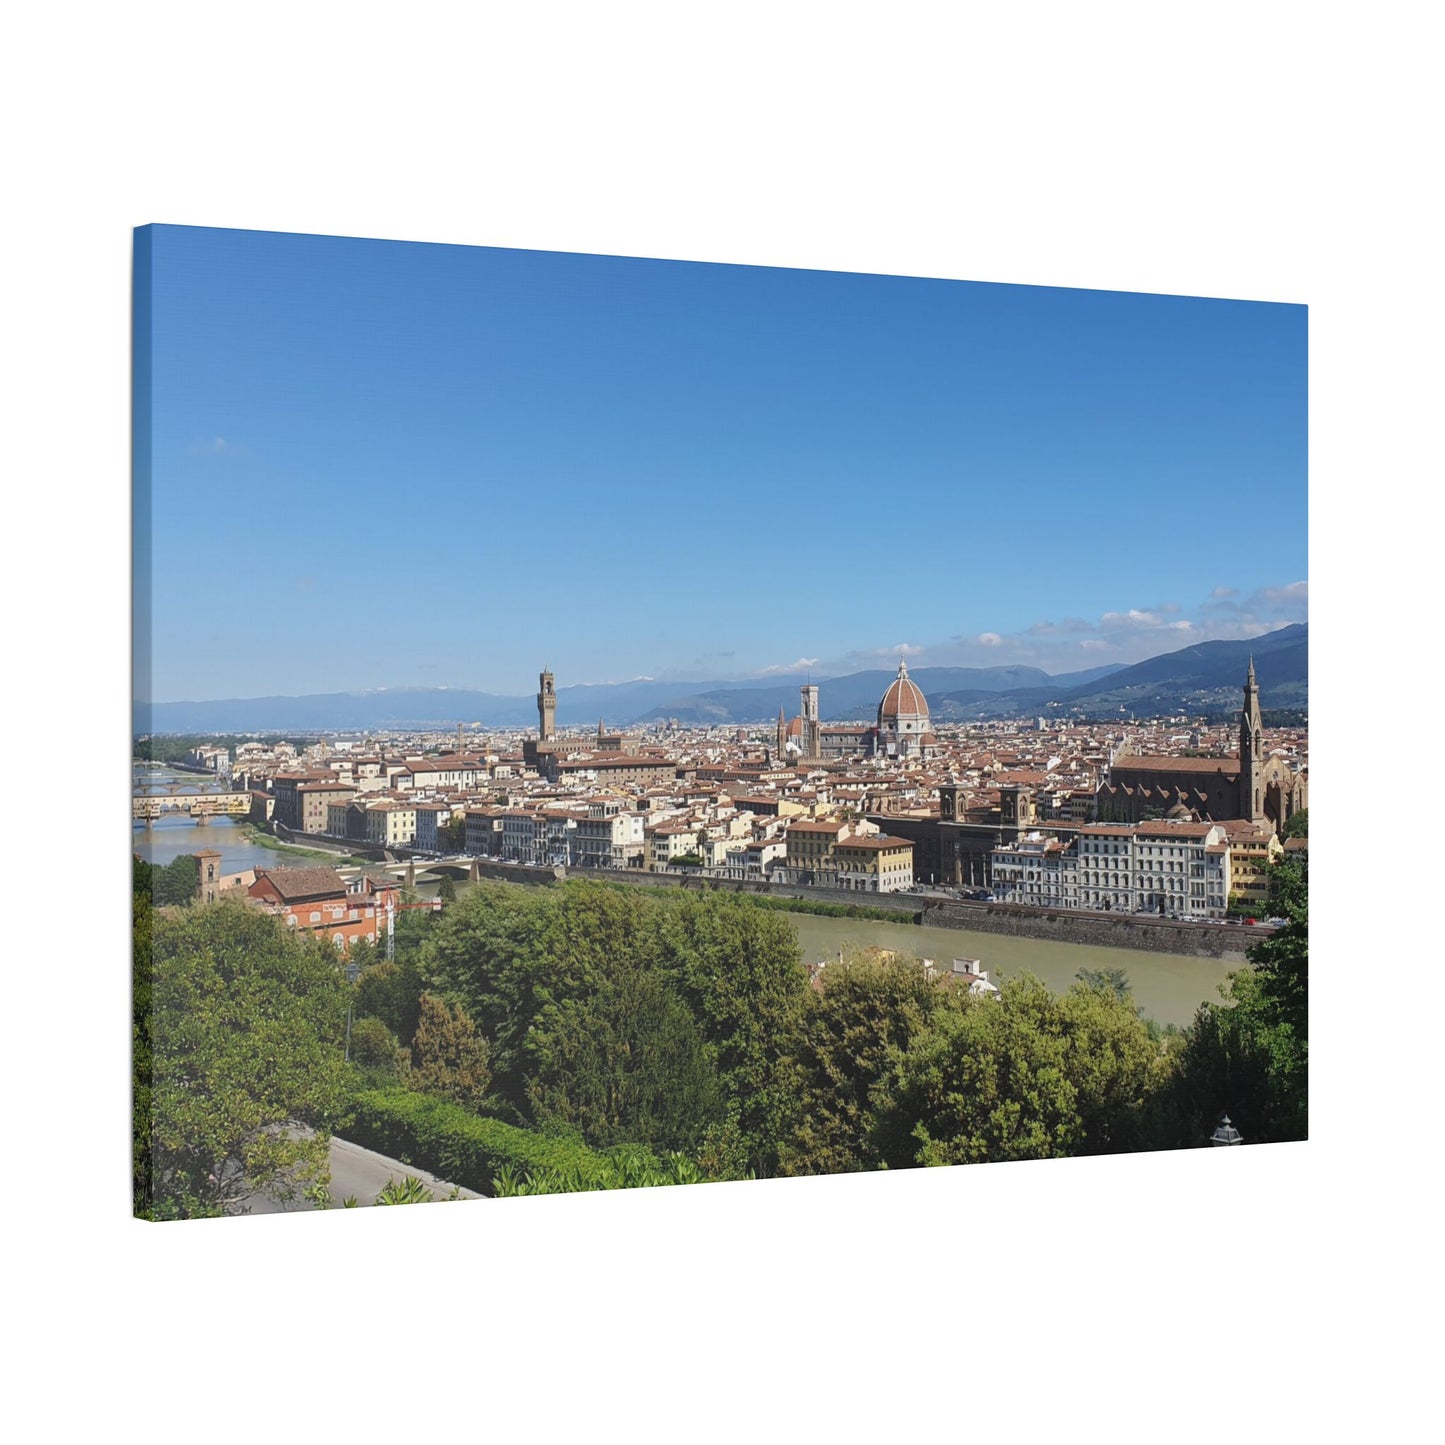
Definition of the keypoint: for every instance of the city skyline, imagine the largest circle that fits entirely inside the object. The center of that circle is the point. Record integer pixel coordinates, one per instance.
(628, 468)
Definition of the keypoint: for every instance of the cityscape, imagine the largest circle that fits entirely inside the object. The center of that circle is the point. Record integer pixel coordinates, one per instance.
(807, 899)
(1189, 816)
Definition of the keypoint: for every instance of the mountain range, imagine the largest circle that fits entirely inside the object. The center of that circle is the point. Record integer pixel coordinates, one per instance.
(1201, 678)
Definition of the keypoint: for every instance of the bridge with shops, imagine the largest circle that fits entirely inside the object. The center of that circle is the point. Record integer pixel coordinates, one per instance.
(147, 807)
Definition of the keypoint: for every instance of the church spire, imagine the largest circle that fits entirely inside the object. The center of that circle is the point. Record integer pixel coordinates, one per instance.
(1251, 751)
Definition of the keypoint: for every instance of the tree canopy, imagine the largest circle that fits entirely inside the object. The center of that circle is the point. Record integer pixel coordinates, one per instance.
(611, 1009)
(867, 1011)
(1024, 1075)
(241, 1027)
(1248, 1055)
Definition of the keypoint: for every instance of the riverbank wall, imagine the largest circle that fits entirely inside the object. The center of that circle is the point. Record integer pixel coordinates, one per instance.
(1223, 942)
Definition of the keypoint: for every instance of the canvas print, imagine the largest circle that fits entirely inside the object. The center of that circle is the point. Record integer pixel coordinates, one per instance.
(603, 722)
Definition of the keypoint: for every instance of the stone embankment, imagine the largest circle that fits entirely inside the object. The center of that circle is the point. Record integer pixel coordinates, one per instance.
(1192, 940)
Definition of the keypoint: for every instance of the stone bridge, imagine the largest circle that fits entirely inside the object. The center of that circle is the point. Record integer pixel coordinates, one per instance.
(147, 807)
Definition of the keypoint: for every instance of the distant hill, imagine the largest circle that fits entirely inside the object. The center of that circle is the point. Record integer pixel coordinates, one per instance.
(1207, 676)
(853, 697)
(1204, 677)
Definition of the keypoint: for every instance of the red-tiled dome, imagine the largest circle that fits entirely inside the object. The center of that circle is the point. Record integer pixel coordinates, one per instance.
(904, 699)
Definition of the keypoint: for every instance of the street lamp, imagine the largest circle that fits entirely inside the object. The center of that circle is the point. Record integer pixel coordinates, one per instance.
(1226, 1133)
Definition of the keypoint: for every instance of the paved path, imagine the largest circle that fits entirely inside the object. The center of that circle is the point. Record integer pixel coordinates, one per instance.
(361, 1174)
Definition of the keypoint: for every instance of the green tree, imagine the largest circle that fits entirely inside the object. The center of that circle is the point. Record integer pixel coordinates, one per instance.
(868, 1012)
(989, 1083)
(390, 992)
(548, 976)
(453, 833)
(1298, 826)
(507, 954)
(447, 889)
(1024, 1075)
(1109, 980)
(244, 1065)
(142, 1070)
(177, 883)
(374, 1048)
(625, 1064)
(1113, 1062)
(1248, 1055)
(413, 928)
(448, 1058)
(740, 970)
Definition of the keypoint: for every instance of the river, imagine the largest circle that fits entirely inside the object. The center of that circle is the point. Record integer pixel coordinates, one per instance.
(1167, 986)
(170, 836)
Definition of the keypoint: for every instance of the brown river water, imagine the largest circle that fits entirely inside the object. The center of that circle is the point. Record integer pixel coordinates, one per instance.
(1166, 986)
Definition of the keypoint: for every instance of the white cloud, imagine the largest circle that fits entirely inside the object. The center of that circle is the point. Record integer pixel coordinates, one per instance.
(801, 665)
(1125, 634)
(213, 447)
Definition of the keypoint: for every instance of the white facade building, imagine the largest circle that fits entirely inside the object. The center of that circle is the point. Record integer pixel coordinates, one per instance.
(1166, 867)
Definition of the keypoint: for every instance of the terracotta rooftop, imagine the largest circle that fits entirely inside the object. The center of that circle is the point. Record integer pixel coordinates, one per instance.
(299, 884)
(1227, 766)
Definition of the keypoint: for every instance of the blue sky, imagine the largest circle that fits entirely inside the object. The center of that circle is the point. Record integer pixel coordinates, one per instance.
(382, 464)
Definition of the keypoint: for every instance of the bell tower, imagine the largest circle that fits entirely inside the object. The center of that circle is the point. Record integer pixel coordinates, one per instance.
(1251, 751)
(208, 875)
(547, 707)
(811, 741)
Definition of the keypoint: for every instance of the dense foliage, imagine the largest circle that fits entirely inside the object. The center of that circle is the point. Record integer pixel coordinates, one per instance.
(870, 1009)
(447, 1058)
(1248, 1055)
(1026, 1075)
(463, 1146)
(658, 1020)
(177, 883)
(585, 1036)
(239, 1067)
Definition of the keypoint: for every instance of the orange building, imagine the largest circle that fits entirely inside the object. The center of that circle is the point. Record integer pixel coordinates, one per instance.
(318, 899)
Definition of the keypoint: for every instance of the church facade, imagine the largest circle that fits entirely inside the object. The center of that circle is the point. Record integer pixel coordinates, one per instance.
(902, 729)
(1251, 785)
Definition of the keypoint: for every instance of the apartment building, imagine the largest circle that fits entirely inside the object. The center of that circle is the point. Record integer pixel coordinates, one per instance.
(391, 824)
(1166, 867)
(874, 864)
(610, 836)
(667, 841)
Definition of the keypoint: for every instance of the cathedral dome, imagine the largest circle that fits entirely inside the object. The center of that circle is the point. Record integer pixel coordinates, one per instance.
(904, 700)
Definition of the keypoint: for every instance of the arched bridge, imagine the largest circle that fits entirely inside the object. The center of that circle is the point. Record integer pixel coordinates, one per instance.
(147, 807)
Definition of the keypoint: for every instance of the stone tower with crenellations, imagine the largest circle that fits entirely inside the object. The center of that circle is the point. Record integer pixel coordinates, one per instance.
(547, 707)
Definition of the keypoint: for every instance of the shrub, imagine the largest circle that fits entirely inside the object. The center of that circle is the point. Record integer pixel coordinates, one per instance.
(463, 1147)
